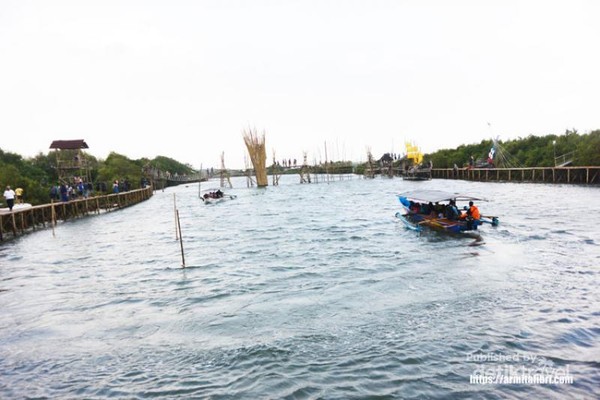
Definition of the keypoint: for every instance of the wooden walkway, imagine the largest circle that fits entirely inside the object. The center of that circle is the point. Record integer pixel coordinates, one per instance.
(570, 175)
(19, 222)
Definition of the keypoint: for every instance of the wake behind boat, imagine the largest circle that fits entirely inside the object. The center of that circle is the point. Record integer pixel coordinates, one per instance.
(437, 210)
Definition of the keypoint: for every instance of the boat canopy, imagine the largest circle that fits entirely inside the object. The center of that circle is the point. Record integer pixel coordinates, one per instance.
(426, 196)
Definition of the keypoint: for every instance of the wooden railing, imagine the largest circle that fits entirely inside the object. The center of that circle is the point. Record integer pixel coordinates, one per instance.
(23, 220)
(574, 175)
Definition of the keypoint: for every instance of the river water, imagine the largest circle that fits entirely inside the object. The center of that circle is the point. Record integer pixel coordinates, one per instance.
(312, 291)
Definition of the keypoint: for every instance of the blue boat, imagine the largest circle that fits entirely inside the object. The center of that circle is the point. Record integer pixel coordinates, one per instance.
(433, 209)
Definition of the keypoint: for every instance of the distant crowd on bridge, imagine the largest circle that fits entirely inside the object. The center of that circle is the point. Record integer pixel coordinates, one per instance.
(79, 188)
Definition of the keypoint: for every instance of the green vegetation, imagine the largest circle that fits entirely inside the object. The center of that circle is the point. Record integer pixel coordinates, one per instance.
(531, 151)
(36, 175)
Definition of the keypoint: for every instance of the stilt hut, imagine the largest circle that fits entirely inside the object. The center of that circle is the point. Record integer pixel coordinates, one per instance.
(71, 160)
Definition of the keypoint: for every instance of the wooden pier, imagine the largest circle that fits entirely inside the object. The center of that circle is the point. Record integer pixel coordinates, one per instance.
(21, 221)
(568, 175)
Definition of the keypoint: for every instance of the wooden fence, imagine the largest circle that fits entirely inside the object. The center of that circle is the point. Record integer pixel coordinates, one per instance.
(21, 221)
(574, 175)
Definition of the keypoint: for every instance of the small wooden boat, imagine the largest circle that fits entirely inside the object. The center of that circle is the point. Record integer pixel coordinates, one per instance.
(212, 196)
(437, 210)
(417, 173)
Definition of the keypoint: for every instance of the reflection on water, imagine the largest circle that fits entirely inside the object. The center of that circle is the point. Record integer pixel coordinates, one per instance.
(304, 291)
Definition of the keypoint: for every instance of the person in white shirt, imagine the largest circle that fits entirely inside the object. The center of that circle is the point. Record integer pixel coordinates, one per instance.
(9, 195)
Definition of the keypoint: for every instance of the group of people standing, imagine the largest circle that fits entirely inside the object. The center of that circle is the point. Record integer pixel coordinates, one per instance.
(65, 192)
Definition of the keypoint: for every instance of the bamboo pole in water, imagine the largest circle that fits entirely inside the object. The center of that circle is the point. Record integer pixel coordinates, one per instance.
(180, 239)
(176, 215)
(200, 183)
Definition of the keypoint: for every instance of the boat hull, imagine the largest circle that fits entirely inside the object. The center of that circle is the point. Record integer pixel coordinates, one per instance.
(417, 222)
(216, 200)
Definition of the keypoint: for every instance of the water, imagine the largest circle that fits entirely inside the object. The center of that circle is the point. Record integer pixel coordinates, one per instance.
(305, 292)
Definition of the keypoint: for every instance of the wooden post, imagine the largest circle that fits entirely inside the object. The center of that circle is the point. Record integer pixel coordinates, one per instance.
(32, 213)
(176, 215)
(180, 239)
(14, 223)
(53, 217)
(587, 175)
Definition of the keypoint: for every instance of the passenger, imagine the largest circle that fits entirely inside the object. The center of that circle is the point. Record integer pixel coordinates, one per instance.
(472, 216)
(451, 211)
(415, 207)
(474, 211)
(431, 209)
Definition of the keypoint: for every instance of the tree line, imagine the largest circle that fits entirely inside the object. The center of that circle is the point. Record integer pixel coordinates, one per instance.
(530, 151)
(37, 175)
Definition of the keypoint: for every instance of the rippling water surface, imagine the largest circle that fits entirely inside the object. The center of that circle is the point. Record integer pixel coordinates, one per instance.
(302, 292)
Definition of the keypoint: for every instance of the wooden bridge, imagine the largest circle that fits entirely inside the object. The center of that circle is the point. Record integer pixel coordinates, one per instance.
(21, 221)
(571, 175)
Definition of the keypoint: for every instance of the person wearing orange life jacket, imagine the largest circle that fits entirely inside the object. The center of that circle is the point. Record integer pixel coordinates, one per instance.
(472, 216)
(474, 211)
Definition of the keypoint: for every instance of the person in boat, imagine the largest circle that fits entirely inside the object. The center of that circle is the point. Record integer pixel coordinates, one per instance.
(451, 212)
(431, 210)
(425, 208)
(414, 207)
(472, 216)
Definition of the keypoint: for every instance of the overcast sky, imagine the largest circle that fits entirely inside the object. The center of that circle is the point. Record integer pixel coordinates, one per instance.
(183, 79)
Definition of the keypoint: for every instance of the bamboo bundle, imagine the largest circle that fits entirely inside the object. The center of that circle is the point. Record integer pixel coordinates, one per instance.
(224, 173)
(258, 155)
(274, 170)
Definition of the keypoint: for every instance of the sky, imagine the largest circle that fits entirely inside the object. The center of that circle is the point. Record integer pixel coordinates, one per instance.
(321, 78)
